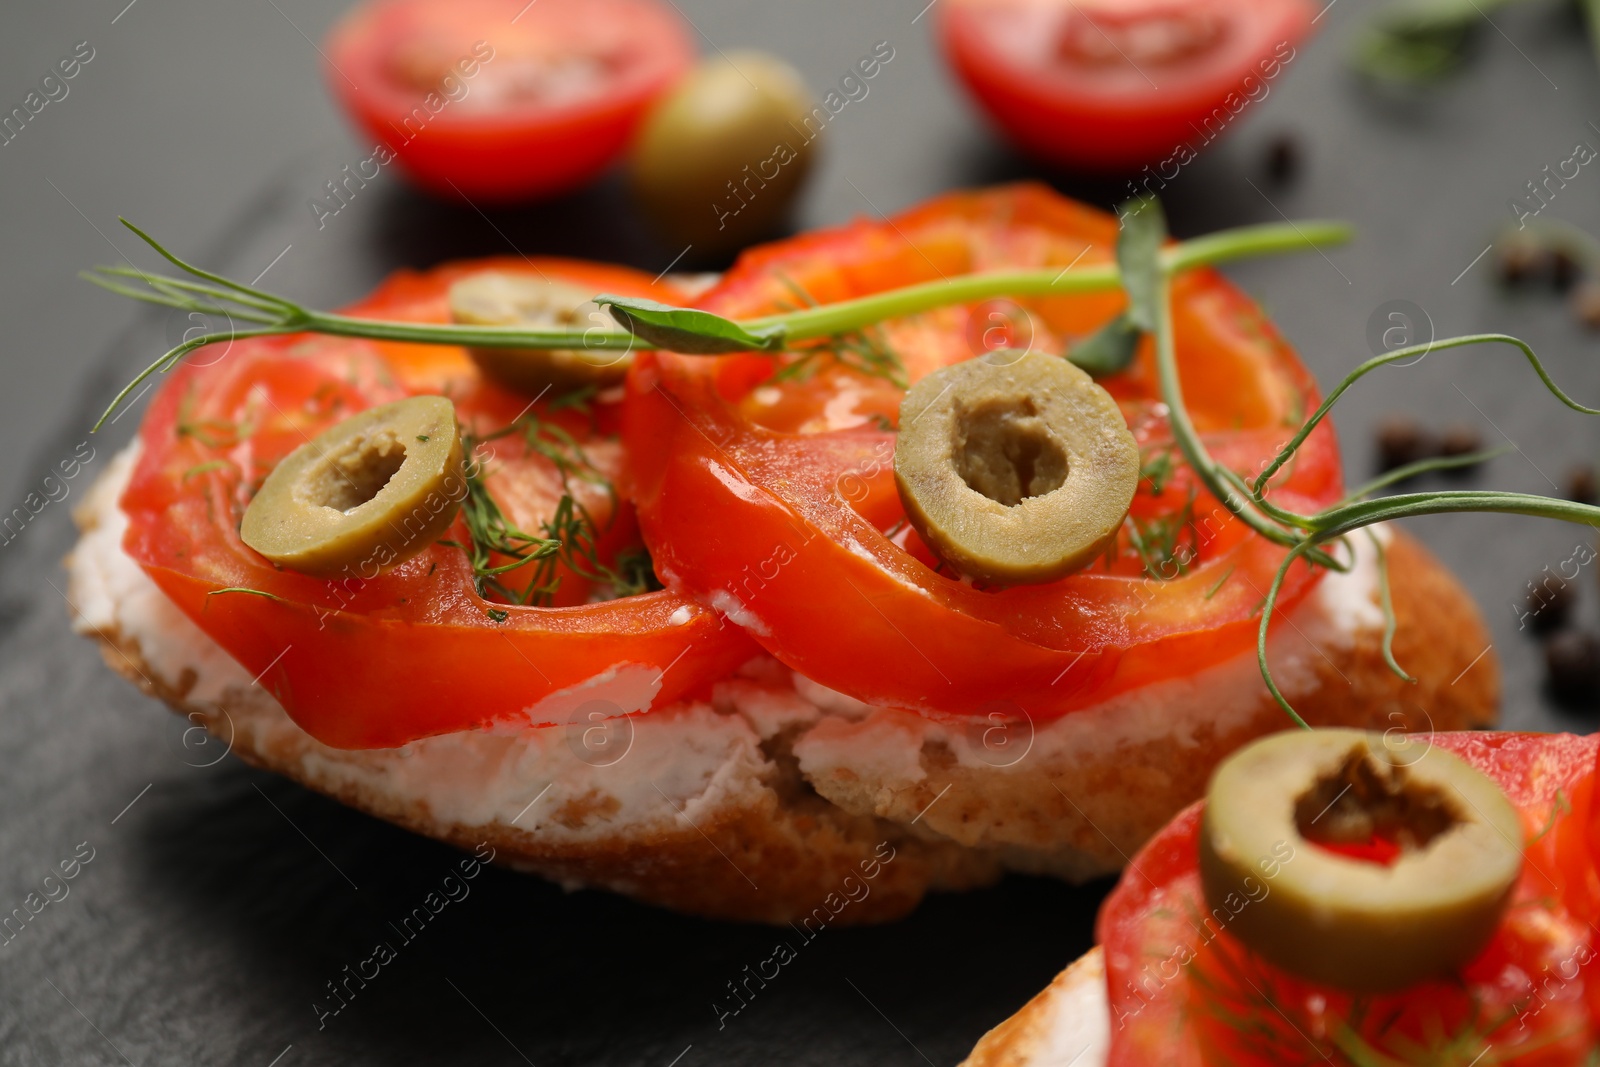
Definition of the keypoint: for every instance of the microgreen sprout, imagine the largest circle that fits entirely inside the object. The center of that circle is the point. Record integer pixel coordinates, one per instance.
(268, 314)
(1308, 537)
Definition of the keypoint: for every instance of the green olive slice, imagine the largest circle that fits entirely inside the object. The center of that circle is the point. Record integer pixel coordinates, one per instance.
(1343, 921)
(364, 495)
(1015, 467)
(718, 162)
(495, 298)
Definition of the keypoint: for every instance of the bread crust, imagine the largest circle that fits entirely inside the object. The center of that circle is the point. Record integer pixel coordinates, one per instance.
(1077, 816)
(1066, 1025)
(771, 859)
(790, 827)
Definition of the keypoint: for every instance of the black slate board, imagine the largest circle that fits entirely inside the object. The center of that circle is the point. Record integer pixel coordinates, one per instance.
(220, 900)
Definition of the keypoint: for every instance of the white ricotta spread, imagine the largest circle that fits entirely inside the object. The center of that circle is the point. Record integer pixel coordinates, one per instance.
(686, 758)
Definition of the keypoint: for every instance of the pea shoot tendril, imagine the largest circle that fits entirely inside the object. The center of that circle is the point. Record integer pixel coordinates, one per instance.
(1146, 264)
(269, 314)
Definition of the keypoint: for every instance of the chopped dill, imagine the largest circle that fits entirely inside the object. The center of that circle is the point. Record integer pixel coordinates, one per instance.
(213, 433)
(574, 530)
(1166, 545)
(243, 589)
(548, 439)
(202, 468)
(1159, 469)
(491, 534)
(1239, 991)
(1215, 589)
(577, 399)
(497, 614)
(566, 540)
(865, 351)
(1561, 807)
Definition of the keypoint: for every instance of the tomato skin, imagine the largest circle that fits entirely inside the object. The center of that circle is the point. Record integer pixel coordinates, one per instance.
(1531, 995)
(1106, 117)
(504, 150)
(378, 660)
(784, 530)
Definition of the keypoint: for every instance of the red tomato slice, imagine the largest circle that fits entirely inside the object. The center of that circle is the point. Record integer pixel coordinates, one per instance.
(1112, 84)
(504, 99)
(1184, 992)
(377, 660)
(774, 499)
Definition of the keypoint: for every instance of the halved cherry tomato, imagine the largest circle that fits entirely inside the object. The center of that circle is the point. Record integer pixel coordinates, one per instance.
(504, 99)
(1113, 84)
(1185, 992)
(772, 496)
(371, 660)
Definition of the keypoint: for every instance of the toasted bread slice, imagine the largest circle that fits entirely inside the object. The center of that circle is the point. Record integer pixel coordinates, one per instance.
(1067, 1025)
(781, 801)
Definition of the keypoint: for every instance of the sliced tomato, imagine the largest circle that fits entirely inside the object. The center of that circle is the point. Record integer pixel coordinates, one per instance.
(504, 99)
(1184, 991)
(1113, 84)
(370, 660)
(766, 487)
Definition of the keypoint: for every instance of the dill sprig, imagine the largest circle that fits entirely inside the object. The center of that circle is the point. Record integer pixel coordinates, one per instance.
(1168, 544)
(864, 350)
(1158, 469)
(552, 441)
(566, 541)
(491, 535)
(573, 527)
(211, 432)
(244, 589)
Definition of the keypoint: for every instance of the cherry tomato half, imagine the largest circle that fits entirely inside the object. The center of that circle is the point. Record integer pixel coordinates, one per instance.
(504, 99)
(1113, 84)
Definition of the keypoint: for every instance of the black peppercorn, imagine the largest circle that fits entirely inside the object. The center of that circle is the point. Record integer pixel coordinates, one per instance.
(1283, 158)
(1520, 261)
(1564, 270)
(1581, 485)
(1461, 440)
(1400, 441)
(1572, 666)
(1585, 304)
(1549, 604)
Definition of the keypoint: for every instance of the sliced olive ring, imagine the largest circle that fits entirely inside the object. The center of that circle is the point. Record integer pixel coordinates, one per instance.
(364, 495)
(494, 298)
(1015, 467)
(1340, 920)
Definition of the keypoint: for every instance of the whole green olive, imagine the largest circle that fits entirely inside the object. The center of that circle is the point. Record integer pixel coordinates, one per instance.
(365, 494)
(1015, 467)
(1343, 921)
(719, 160)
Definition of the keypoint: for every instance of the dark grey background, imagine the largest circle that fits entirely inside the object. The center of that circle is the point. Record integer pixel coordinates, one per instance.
(207, 924)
